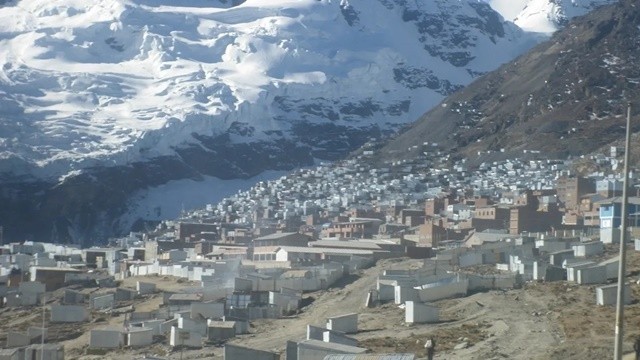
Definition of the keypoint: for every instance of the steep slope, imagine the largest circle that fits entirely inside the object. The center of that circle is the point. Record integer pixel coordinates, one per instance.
(102, 100)
(543, 16)
(106, 104)
(566, 96)
(104, 82)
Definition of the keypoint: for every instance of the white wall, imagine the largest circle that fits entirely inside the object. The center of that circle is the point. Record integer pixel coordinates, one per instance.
(386, 290)
(140, 337)
(588, 249)
(315, 332)
(608, 294)
(179, 337)
(154, 325)
(338, 338)
(592, 275)
(443, 290)
(417, 313)
(347, 323)
(404, 293)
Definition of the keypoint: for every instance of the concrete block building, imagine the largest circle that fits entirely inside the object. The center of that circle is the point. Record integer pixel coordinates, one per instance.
(608, 294)
(44, 352)
(443, 289)
(347, 323)
(68, 313)
(140, 337)
(72, 297)
(182, 337)
(12, 354)
(106, 339)
(611, 218)
(219, 331)
(101, 302)
(588, 249)
(235, 352)
(318, 350)
(144, 288)
(204, 311)
(417, 313)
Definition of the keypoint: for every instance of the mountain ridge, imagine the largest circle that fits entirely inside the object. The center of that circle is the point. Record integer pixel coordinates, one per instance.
(104, 101)
(565, 97)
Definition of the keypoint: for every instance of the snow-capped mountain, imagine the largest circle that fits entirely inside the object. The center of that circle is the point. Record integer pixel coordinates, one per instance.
(103, 101)
(544, 16)
(565, 97)
(104, 82)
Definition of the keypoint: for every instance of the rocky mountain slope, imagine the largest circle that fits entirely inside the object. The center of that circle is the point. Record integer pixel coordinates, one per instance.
(567, 96)
(105, 103)
(543, 16)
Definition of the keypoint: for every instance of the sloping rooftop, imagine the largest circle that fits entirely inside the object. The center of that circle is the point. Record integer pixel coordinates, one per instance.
(361, 245)
(8, 352)
(265, 249)
(276, 236)
(317, 344)
(53, 268)
(186, 297)
(322, 250)
(370, 357)
(222, 324)
(635, 200)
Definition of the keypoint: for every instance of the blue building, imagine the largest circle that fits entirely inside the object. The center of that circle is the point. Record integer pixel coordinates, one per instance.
(611, 217)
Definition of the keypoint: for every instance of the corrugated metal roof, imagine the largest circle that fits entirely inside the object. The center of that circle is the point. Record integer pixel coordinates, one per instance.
(345, 244)
(317, 344)
(221, 324)
(275, 236)
(8, 352)
(370, 357)
(321, 250)
(635, 200)
(186, 297)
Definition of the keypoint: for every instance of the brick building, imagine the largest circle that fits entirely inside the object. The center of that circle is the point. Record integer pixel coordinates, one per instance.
(534, 212)
(570, 190)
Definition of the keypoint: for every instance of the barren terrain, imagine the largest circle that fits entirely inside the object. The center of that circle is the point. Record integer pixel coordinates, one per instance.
(556, 320)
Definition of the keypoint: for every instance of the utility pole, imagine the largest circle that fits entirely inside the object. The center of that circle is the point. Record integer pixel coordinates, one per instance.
(44, 303)
(617, 352)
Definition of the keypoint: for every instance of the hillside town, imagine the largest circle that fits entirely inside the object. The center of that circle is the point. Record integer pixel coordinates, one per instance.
(400, 240)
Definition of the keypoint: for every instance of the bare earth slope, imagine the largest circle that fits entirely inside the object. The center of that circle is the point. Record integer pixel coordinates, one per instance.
(556, 320)
(566, 96)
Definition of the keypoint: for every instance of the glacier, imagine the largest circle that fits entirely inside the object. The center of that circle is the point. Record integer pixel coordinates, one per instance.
(110, 82)
(544, 16)
(161, 91)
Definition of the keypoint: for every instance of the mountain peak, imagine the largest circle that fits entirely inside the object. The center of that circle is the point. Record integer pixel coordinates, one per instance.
(102, 83)
(544, 16)
(565, 97)
(105, 102)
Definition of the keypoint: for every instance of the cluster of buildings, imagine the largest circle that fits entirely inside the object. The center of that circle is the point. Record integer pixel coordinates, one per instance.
(255, 254)
(432, 201)
(224, 288)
